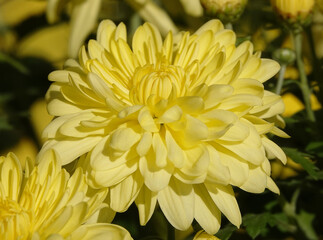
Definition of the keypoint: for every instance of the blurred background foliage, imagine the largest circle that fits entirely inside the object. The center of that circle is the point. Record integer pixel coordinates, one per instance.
(36, 37)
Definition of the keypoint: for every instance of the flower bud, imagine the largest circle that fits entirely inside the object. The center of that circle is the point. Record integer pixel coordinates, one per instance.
(294, 11)
(202, 235)
(225, 10)
(284, 55)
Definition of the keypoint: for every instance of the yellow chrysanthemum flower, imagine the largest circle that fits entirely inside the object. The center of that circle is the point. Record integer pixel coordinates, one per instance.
(178, 122)
(293, 10)
(225, 10)
(42, 202)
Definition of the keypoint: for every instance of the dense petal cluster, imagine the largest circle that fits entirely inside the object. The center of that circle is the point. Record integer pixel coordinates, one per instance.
(176, 121)
(43, 202)
(293, 11)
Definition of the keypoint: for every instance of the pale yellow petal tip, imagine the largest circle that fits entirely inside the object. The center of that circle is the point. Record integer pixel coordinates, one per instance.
(271, 185)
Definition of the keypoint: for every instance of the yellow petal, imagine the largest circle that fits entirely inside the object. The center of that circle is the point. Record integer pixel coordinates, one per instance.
(83, 19)
(146, 121)
(11, 176)
(100, 231)
(123, 139)
(47, 43)
(146, 203)
(223, 197)
(177, 203)
(160, 150)
(238, 167)
(144, 144)
(257, 180)
(69, 149)
(124, 193)
(174, 152)
(274, 150)
(213, 25)
(217, 171)
(206, 212)
(156, 178)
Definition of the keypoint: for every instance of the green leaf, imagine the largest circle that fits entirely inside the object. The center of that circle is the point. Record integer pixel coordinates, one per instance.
(302, 159)
(282, 222)
(256, 224)
(304, 220)
(4, 123)
(315, 148)
(226, 232)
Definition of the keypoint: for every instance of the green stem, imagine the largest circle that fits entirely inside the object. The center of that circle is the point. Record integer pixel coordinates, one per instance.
(280, 80)
(13, 62)
(297, 38)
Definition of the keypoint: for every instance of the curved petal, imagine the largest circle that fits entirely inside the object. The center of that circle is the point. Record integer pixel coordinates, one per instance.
(206, 212)
(223, 197)
(124, 193)
(177, 203)
(146, 203)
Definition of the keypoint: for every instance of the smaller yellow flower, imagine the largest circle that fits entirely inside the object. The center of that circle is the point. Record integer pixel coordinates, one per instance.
(291, 169)
(202, 235)
(294, 11)
(43, 202)
(225, 10)
(294, 105)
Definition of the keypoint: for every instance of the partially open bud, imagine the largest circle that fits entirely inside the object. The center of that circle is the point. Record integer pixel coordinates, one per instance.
(202, 235)
(225, 10)
(294, 11)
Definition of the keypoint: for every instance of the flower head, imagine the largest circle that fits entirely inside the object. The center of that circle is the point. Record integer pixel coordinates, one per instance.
(44, 203)
(178, 122)
(294, 11)
(225, 10)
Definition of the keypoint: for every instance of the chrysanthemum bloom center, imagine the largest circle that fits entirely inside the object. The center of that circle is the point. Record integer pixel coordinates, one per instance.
(13, 215)
(156, 80)
(9, 208)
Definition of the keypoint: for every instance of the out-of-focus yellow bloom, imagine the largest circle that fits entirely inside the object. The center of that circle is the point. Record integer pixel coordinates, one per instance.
(25, 148)
(291, 169)
(49, 43)
(7, 41)
(263, 37)
(43, 202)
(178, 123)
(85, 13)
(192, 7)
(225, 10)
(39, 117)
(294, 105)
(202, 235)
(317, 31)
(13, 12)
(293, 10)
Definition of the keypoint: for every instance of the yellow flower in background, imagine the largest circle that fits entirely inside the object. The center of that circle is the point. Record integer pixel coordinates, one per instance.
(84, 15)
(293, 10)
(13, 12)
(43, 202)
(225, 10)
(294, 105)
(202, 235)
(174, 122)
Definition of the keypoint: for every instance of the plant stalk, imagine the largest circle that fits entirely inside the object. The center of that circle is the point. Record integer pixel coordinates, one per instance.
(280, 80)
(297, 38)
